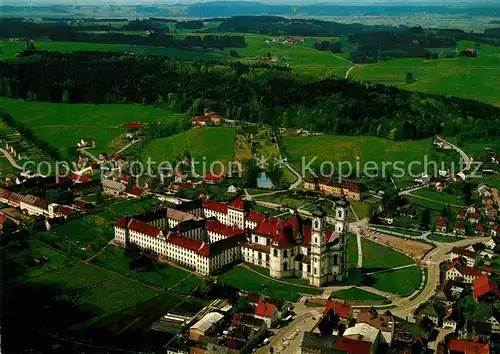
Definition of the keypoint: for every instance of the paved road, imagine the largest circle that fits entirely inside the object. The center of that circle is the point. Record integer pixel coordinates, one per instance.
(391, 269)
(467, 160)
(85, 152)
(11, 159)
(299, 177)
(360, 251)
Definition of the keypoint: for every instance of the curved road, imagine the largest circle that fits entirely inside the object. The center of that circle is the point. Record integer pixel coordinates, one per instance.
(11, 159)
(467, 160)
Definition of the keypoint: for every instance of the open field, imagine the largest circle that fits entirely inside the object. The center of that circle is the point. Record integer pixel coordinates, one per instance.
(10, 49)
(443, 238)
(167, 277)
(381, 257)
(473, 78)
(439, 196)
(356, 296)
(416, 249)
(352, 251)
(432, 205)
(346, 151)
(245, 279)
(205, 145)
(63, 125)
(400, 282)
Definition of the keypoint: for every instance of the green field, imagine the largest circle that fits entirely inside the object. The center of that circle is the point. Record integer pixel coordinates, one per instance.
(401, 281)
(474, 78)
(245, 279)
(352, 251)
(442, 197)
(205, 145)
(170, 278)
(443, 238)
(10, 49)
(345, 152)
(63, 125)
(378, 256)
(356, 295)
(432, 205)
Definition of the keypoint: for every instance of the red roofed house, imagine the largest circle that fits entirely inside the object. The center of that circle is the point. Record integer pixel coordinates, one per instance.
(479, 230)
(468, 256)
(342, 310)
(212, 178)
(4, 195)
(457, 271)
(459, 228)
(466, 347)
(79, 178)
(267, 312)
(485, 289)
(86, 143)
(200, 121)
(441, 225)
(134, 192)
(462, 214)
(469, 52)
(474, 218)
(495, 231)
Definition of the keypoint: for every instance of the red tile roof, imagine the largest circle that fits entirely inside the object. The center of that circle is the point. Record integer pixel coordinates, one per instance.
(462, 212)
(219, 228)
(5, 193)
(473, 272)
(461, 346)
(238, 204)
(213, 177)
(496, 228)
(353, 346)
(480, 228)
(199, 247)
(484, 285)
(256, 217)
(143, 228)
(3, 219)
(215, 206)
(121, 223)
(264, 309)
(463, 252)
(79, 178)
(476, 216)
(133, 125)
(441, 222)
(341, 309)
(134, 190)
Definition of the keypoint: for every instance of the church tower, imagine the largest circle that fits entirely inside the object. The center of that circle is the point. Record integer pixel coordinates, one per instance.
(318, 248)
(342, 228)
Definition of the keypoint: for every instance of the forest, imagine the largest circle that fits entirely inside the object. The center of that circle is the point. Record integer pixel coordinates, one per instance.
(254, 94)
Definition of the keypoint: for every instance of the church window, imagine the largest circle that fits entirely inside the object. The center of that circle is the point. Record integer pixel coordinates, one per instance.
(340, 213)
(285, 266)
(335, 260)
(285, 253)
(275, 253)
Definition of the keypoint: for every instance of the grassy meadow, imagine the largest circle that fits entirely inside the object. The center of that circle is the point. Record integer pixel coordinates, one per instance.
(363, 149)
(63, 125)
(205, 145)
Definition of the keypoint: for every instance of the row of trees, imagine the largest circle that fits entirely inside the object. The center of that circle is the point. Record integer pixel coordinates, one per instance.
(241, 92)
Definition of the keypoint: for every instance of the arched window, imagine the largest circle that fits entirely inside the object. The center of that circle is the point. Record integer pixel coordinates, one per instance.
(339, 213)
(335, 260)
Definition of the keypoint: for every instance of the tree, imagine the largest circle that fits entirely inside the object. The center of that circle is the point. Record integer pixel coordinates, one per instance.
(410, 78)
(425, 219)
(242, 305)
(446, 212)
(65, 96)
(467, 193)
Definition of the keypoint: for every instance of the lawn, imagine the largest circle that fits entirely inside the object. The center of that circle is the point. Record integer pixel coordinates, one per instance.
(344, 152)
(206, 146)
(378, 257)
(356, 295)
(352, 251)
(442, 197)
(473, 78)
(402, 281)
(167, 277)
(432, 205)
(443, 238)
(63, 125)
(245, 279)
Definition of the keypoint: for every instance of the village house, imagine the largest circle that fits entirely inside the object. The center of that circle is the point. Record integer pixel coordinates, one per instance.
(213, 178)
(485, 289)
(493, 241)
(483, 190)
(441, 225)
(451, 318)
(495, 232)
(479, 230)
(465, 274)
(331, 186)
(233, 189)
(86, 143)
(113, 187)
(466, 347)
(449, 292)
(364, 332)
(340, 309)
(383, 322)
(439, 186)
(474, 218)
(491, 212)
(268, 313)
(459, 228)
(315, 343)
(462, 214)
(461, 253)
(427, 310)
